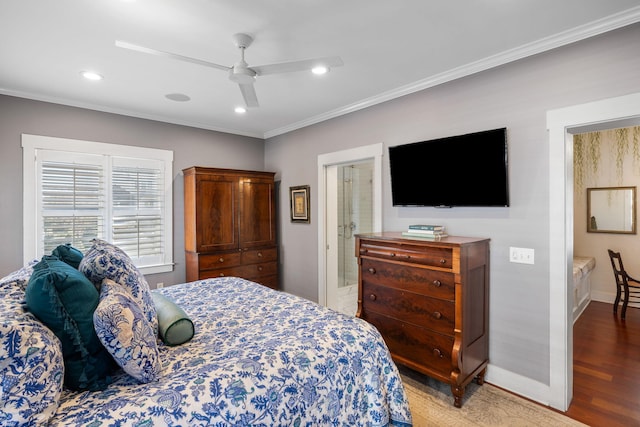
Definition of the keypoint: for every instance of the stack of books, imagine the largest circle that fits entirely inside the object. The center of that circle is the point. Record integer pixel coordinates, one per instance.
(425, 231)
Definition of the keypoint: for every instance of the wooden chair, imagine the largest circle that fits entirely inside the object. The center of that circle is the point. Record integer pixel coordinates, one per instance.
(626, 286)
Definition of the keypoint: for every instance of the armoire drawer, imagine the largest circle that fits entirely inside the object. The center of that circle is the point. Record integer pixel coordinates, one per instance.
(413, 342)
(254, 256)
(420, 310)
(250, 272)
(218, 260)
(420, 280)
(431, 256)
(262, 269)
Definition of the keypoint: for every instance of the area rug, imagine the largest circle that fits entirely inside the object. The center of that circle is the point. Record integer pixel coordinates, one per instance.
(431, 404)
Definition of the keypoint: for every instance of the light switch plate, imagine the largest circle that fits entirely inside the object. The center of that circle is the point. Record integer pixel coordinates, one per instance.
(521, 255)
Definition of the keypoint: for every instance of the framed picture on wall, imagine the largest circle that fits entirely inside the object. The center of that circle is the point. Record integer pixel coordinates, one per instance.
(300, 204)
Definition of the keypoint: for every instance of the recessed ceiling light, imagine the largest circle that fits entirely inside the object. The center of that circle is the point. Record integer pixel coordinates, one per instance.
(240, 110)
(320, 69)
(179, 97)
(91, 75)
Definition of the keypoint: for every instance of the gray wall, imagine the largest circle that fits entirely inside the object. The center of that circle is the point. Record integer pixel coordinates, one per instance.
(517, 96)
(191, 147)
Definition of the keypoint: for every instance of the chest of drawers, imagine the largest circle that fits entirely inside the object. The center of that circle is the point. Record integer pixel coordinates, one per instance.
(429, 300)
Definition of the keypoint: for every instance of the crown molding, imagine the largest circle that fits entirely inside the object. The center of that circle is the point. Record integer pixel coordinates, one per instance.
(582, 32)
(125, 112)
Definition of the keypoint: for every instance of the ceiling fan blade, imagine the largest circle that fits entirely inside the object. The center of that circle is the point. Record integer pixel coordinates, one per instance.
(138, 48)
(249, 95)
(303, 65)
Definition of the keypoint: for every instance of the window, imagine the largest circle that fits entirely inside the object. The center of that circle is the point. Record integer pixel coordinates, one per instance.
(75, 191)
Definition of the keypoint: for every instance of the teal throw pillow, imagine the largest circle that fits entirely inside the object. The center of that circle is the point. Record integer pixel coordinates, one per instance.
(68, 254)
(64, 300)
(174, 326)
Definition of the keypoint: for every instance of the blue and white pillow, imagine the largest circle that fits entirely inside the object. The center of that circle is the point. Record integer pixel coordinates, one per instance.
(31, 361)
(107, 261)
(124, 331)
(31, 372)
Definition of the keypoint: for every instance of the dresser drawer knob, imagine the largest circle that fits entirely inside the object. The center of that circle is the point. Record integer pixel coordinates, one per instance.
(437, 353)
(437, 283)
(372, 270)
(392, 255)
(220, 259)
(372, 297)
(221, 275)
(437, 314)
(443, 261)
(407, 256)
(259, 254)
(259, 268)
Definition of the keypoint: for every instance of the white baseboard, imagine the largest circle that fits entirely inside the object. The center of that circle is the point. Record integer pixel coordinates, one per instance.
(577, 311)
(518, 384)
(609, 297)
(600, 296)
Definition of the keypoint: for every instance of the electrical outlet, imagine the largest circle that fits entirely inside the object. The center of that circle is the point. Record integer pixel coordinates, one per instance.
(159, 285)
(521, 255)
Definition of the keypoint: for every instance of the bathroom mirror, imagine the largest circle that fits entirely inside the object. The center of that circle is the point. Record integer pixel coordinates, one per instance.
(611, 210)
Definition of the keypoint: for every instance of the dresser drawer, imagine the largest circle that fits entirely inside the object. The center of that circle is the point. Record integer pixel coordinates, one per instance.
(411, 342)
(416, 309)
(219, 260)
(419, 280)
(259, 255)
(431, 256)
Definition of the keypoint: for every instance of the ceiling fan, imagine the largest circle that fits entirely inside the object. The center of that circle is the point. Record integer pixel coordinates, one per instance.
(240, 72)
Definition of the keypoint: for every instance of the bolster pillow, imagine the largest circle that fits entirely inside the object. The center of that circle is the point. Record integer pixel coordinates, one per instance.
(174, 326)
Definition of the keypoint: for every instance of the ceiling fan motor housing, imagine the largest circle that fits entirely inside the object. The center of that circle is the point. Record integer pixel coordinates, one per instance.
(242, 74)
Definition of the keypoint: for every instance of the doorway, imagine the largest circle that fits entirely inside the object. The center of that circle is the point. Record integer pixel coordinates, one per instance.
(349, 202)
(351, 187)
(561, 124)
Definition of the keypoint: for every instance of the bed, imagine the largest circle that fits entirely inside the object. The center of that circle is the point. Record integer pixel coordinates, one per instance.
(258, 357)
(582, 268)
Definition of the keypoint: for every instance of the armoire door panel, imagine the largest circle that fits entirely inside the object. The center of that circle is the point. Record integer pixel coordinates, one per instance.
(257, 213)
(216, 222)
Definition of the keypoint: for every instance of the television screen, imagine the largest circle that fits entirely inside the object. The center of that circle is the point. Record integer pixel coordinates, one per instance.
(463, 170)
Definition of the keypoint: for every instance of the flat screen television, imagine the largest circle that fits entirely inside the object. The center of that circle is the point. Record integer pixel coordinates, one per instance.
(463, 170)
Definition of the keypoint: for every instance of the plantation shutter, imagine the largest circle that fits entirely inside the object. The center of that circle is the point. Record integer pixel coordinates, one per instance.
(72, 201)
(138, 205)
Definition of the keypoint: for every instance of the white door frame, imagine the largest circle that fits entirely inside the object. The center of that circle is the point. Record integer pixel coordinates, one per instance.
(366, 152)
(559, 122)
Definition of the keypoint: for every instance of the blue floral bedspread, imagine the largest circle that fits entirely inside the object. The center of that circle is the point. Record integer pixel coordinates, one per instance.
(258, 358)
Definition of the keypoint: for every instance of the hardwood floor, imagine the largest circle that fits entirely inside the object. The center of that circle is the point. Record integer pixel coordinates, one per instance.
(606, 367)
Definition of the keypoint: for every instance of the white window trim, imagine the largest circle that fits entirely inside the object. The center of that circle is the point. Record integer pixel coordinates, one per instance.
(32, 143)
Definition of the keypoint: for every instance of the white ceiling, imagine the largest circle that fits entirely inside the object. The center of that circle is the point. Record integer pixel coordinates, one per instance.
(389, 47)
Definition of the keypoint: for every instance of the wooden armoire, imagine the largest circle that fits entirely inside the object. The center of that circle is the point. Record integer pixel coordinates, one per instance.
(230, 225)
